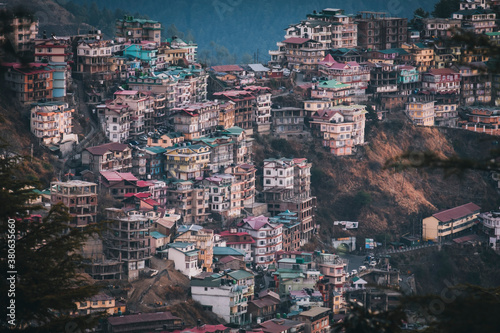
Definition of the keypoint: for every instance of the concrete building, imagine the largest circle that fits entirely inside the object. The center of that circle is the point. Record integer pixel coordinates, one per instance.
(449, 223)
(421, 113)
(222, 297)
(81, 199)
(29, 82)
(128, 240)
(490, 223)
(203, 239)
(380, 31)
(108, 156)
(188, 200)
(52, 122)
(268, 238)
(130, 28)
(185, 258)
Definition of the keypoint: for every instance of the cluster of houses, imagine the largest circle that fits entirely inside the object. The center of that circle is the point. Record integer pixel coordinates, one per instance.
(396, 65)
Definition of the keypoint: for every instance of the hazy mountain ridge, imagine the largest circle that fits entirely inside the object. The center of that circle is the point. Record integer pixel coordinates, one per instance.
(248, 26)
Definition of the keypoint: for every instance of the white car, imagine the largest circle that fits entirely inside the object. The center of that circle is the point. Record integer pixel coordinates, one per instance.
(362, 268)
(354, 272)
(373, 263)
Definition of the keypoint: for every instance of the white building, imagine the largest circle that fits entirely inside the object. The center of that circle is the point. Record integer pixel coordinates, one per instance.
(491, 226)
(268, 238)
(223, 297)
(185, 258)
(51, 121)
(278, 173)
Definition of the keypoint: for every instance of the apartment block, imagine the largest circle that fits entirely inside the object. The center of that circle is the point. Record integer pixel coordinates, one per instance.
(482, 119)
(243, 109)
(196, 120)
(358, 76)
(51, 122)
(268, 238)
(108, 156)
(29, 82)
(81, 199)
(245, 176)
(380, 31)
(203, 240)
(421, 113)
(133, 29)
(189, 201)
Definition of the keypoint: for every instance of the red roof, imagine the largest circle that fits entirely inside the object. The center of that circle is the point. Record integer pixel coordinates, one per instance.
(144, 183)
(112, 175)
(226, 259)
(204, 329)
(457, 212)
(126, 92)
(151, 202)
(141, 195)
(102, 149)
(141, 318)
(297, 40)
(227, 68)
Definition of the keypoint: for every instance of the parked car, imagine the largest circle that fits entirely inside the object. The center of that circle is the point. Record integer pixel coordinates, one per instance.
(373, 263)
(362, 268)
(354, 272)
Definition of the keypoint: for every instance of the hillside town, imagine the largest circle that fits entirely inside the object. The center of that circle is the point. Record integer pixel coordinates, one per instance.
(162, 147)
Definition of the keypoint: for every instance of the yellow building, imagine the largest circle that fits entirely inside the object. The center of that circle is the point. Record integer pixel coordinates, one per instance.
(421, 55)
(165, 140)
(448, 223)
(421, 113)
(98, 303)
(187, 161)
(203, 240)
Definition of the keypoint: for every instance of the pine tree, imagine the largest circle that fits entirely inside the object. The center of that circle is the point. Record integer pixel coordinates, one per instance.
(45, 272)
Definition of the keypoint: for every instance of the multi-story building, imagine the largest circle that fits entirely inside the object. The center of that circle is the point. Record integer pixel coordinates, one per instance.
(483, 120)
(226, 195)
(332, 90)
(141, 106)
(475, 84)
(408, 79)
(241, 241)
(118, 184)
(287, 187)
(490, 223)
(221, 151)
(115, 119)
(341, 127)
(93, 57)
(422, 56)
(51, 122)
(449, 223)
(226, 114)
(202, 239)
(245, 176)
(288, 122)
(187, 161)
(196, 120)
(334, 269)
(342, 34)
(478, 20)
(131, 28)
(165, 140)
(291, 229)
(303, 54)
(420, 112)
(436, 27)
(225, 299)
(268, 238)
(383, 79)
(243, 109)
(446, 114)
(185, 258)
(155, 162)
(145, 52)
(144, 322)
(316, 320)
(58, 54)
(22, 33)
(379, 31)
(29, 82)
(243, 149)
(443, 84)
(351, 73)
(311, 106)
(262, 108)
(108, 156)
(81, 199)
(128, 241)
(188, 200)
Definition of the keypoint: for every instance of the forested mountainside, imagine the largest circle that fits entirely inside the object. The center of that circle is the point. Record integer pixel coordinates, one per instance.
(389, 203)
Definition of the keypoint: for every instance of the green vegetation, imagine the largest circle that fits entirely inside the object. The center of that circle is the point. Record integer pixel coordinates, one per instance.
(48, 280)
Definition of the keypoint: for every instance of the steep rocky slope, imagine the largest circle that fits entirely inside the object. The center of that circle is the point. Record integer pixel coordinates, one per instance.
(385, 201)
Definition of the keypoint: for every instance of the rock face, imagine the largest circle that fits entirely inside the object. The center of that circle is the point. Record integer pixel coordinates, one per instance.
(384, 200)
